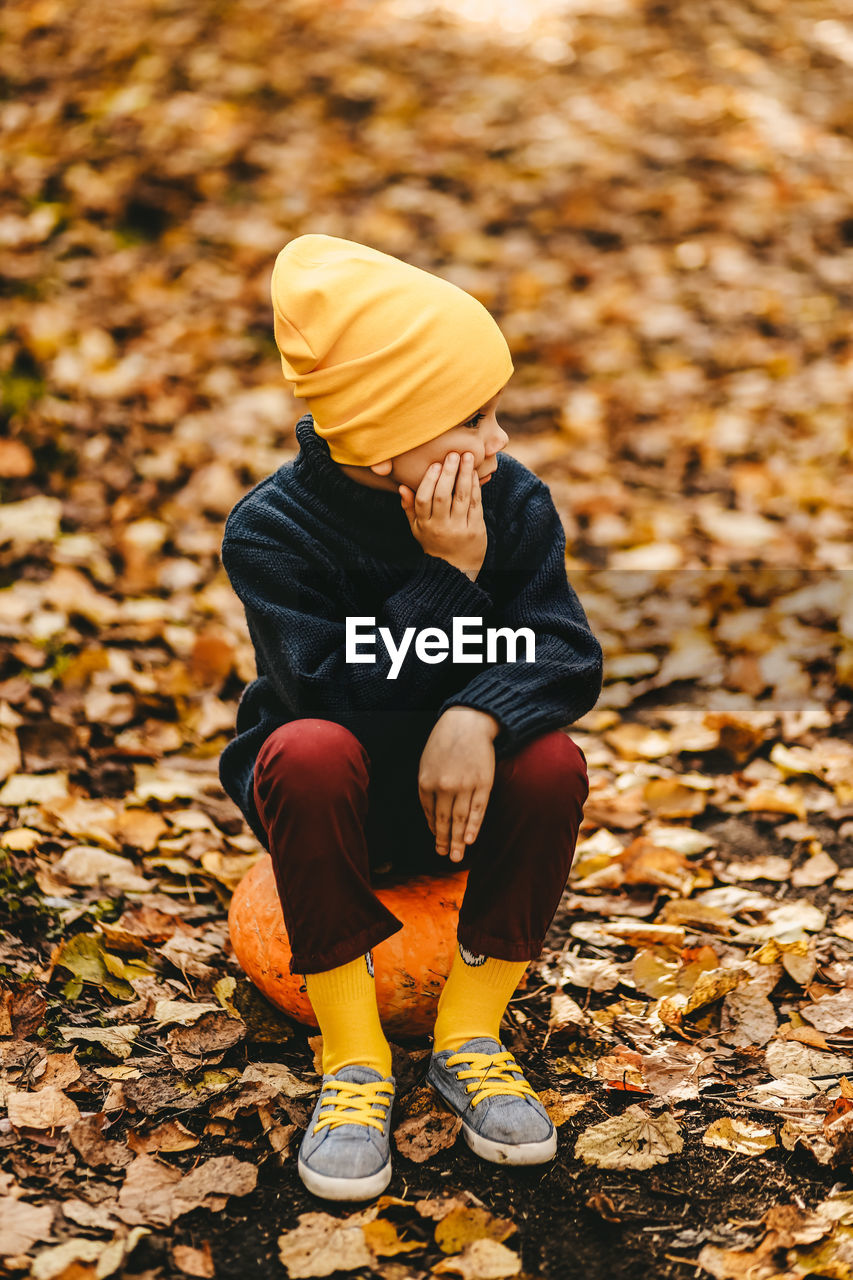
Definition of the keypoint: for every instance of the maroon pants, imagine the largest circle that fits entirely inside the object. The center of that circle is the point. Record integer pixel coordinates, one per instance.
(332, 815)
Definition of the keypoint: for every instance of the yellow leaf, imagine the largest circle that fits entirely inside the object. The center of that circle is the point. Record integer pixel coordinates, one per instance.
(381, 1236)
(744, 1136)
(462, 1226)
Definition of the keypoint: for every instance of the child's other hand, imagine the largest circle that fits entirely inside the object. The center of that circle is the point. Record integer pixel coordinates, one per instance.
(448, 522)
(455, 778)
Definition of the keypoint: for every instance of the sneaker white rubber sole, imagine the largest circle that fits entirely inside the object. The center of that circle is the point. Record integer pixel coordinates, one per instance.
(510, 1152)
(503, 1152)
(329, 1188)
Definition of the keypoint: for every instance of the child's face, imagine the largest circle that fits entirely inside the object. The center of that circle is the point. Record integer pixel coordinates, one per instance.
(480, 435)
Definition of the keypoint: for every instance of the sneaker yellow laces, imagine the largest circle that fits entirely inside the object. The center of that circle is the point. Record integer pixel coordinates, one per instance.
(351, 1103)
(491, 1073)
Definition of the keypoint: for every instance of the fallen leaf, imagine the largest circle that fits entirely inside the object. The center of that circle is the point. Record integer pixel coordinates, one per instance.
(93, 1148)
(744, 1136)
(633, 1140)
(157, 1194)
(321, 1245)
(748, 1018)
(426, 1126)
(278, 1078)
(565, 1012)
(116, 1040)
(771, 867)
(55, 1262)
(194, 1262)
(84, 955)
(33, 788)
(171, 1135)
(830, 1013)
(22, 1225)
(587, 972)
(562, 1106)
(383, 1239)
(481, 1260)
(88, 865)
(56, 1069)
(46, 1109)
(814, 871)
(462, 1226)
(182, 1012)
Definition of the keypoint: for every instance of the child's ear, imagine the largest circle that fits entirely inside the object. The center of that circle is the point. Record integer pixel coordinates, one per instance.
(381, 468)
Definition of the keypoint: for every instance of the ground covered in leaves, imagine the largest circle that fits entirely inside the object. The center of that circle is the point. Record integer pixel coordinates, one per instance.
(654, 201)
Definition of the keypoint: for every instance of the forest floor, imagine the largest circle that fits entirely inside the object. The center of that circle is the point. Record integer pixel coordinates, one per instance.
(654, 201)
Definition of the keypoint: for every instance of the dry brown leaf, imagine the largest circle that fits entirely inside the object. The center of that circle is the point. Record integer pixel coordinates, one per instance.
(438, 1207)
(194, 1262)
(481, 1260)
(670, 798)
(830, 1013)
(56, 1070)
(48, 1108)
(89, 865)
(183, 1012)
(89, 1142)
(157, 1194)
(814, 871)
(786, 1057)
(116, 1040)
(208, 1038)
(426, 1127)
(748, 1018)
(770, 867)
(673, 1070)
(171, 1135)
(636, 934)
(22, 1225)
(733, 1133)
(278, 1079)
(633, 1140)
(462, 1226)
(565, 1012)
(321, 1245)
(383, 1239)
(562, 1106)
(588, 972)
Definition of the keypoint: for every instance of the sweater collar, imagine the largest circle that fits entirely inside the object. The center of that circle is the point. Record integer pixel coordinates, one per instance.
(317, 471)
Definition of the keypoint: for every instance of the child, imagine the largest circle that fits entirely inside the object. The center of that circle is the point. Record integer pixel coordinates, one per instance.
(349, 757)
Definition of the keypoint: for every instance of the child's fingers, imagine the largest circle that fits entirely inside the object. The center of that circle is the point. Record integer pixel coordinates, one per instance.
(475, 817)
(462, 492)
(428, 806)
(441, 830)
(426, 490)
(446, 479)
(459, 821)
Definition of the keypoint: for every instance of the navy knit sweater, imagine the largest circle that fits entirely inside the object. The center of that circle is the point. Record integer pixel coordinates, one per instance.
(309, 546)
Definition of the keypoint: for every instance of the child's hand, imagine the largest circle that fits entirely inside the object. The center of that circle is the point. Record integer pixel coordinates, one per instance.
(449, 523)
(455, 778)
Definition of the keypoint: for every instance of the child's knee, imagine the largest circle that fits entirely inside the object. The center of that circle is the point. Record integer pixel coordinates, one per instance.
(309, 752)
(551, 770)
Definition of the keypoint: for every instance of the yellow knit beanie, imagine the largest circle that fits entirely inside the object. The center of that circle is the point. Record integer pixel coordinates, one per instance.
(386, 355)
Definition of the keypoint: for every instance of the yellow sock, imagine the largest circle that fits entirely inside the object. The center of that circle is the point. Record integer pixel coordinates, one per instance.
(344, 1001)
(474, 999)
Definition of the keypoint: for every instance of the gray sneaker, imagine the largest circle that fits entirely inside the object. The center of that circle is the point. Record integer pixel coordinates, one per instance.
(346, 1151)
(502, 1117)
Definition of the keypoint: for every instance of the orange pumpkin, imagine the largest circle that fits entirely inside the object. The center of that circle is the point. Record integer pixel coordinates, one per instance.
(410, 967)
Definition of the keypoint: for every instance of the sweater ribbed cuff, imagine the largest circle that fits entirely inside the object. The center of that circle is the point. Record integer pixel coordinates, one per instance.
(495, 694)
(446, 591)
